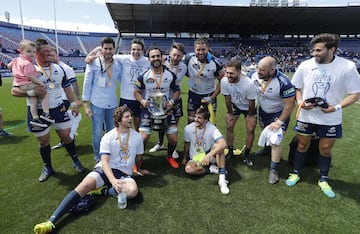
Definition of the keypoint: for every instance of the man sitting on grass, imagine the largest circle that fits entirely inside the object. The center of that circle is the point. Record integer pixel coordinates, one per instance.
(203, 143)
(121, 141)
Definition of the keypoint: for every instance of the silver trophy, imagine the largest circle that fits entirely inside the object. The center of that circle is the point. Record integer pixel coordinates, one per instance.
(157, 109)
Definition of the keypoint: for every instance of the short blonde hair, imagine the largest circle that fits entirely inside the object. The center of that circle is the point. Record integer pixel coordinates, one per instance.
(25, 43)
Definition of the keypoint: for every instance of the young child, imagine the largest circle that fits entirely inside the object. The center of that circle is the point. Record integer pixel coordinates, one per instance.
(25, 77)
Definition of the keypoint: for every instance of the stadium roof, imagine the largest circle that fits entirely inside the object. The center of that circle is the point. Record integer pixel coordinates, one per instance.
(151, 18)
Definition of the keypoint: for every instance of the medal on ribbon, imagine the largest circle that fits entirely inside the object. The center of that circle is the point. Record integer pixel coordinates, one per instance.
(51, 85)
(124, 147)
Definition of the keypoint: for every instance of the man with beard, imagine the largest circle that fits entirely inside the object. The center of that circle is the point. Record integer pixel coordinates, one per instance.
(55, 83)
(204, 145)
(121, 148)
(335, 83)
(99, 92)
(132, 66)
(174, 63)
(240, 94)
(277, 100)
(203, 71)
(158, 79)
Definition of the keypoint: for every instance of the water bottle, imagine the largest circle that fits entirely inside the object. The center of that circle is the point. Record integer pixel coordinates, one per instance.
(122, 200)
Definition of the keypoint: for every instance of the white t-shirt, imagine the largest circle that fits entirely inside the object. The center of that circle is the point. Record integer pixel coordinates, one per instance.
(131, 69)
(240, 92)
(329, 81)
(179, 70)
(212, 135)
(118, 160)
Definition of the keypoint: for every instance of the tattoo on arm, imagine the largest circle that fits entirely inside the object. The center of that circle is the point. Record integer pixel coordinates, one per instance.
(76, 90)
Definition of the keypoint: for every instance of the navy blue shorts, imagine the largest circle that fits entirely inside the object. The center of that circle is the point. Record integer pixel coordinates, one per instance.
(117, 173)
(59, 114)
(178, 108)
(265, 119)
(238, 112)
(194, 101)
(322, 131)
(133, 105)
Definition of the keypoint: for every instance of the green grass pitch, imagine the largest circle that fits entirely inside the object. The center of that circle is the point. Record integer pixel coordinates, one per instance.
(172, 201)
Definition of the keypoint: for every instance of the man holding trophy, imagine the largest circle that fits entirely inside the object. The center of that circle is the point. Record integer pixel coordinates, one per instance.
(152, 90)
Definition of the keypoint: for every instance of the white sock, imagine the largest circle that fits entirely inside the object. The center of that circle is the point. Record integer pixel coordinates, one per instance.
(221, 177)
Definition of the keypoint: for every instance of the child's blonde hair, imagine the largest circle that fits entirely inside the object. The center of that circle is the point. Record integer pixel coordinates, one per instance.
(25, 43)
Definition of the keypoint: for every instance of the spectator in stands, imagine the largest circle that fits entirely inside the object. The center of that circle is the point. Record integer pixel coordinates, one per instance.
(336, 82)
(158, 80)
(110, 176)
(70, 75)
(99, 92)
(203, 70)
(277, 100)
(25, 77)
(52, 74)
(240, 94)
(174, 63)
(133, 65)
(203, 147)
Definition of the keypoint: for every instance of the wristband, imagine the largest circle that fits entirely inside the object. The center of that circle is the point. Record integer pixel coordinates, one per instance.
(338, 107)
(171, 101)
(30, 93)
(299, 102)
(143, 102)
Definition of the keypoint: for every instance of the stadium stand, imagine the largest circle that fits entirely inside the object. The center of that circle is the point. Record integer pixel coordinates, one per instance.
(73, 46)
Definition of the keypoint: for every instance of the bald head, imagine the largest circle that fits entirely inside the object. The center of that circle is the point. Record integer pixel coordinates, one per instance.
(266, 68)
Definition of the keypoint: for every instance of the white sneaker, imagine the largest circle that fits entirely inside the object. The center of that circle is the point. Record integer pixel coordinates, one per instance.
(175, 154)
(223, 187)
(156, 148)
(214, 169)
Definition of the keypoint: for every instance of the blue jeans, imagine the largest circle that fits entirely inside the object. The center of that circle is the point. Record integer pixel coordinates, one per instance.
(102, 119)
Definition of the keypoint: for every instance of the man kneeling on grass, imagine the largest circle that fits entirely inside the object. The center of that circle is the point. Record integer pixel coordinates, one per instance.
(112, 174)
(203, 145)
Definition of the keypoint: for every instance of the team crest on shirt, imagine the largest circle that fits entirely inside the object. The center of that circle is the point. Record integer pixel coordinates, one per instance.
(124, 154)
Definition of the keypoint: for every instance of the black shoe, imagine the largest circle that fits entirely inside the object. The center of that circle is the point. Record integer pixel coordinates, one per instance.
(38, 123)
(78, 167)
(266, 151)
(47, 118)
(228, 156)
